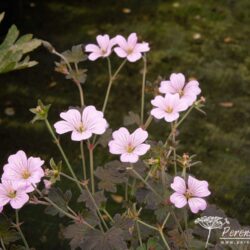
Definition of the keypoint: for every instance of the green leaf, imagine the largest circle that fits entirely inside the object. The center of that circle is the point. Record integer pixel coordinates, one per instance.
(131, 119)
(10, 38)
(105, 138)
(41, 111)
(75, 55)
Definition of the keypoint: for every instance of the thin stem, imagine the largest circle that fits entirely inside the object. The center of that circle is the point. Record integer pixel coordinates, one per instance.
(139, 232)
(63, 58)
(92, 177)
(208, 237)
(96, 206)
(126, 191)
(109, 68)
(165, 221)
(147, 225)
(108, 214)
(2, 243)
(111, 80)
(164, 240)
(148, 122)
(143, 87)
(62, 152)
(145, 182)
(20, 231)
(180, 122)
(78, 84)
(83, 161)
(174, 148)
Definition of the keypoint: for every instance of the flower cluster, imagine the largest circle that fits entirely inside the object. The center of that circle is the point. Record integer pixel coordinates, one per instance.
(20, 177)
(178, 97)
(124, 48)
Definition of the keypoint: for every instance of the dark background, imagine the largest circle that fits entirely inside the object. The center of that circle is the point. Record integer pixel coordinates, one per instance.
(208, 40)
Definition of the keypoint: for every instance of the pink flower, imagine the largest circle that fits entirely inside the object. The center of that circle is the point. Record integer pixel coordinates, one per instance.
(103, 49)
(191, 194)
(22, 171)
(17, 197)
(176, 84)
(129, 146)
(168, 107)
(82, 125)
(130, 48)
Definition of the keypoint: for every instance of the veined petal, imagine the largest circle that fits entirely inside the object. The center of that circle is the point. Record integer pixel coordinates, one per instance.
(73, 116)
(63, 127)
(120, 52)
(179, 200)
(121, 41)
(179, 185)
(197, 204)
(133, 57)
(138, 137)
(177, 80)
(132, 40)
(198, 188)
(141, 149)
(129, 157)
(92, 48)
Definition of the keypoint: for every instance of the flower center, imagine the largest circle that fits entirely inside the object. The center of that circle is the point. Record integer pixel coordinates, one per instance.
(12, 194)
(181, 92)
(130, 51)
(26, 174)
(188, 194)
(130, 148)
(81, 128)
(104, 51)
(169, 109)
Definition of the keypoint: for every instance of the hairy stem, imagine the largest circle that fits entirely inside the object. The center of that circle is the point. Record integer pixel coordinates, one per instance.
(164, 240)
(20, 231)
(92, 177)
(111, 80)
(62, 153)
(83, 161)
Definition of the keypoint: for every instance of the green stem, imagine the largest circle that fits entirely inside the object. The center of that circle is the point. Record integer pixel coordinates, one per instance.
(147, 225)
(78, 84)
(143, 87)
(83, 161)
(164, 240)
(145, 182)
(174, 148)
(139, 232)
(20, 231)
(108, 214)
(62, 152)
(111, 80)
(180, 122)
(2, 244)
(92, 177)
(96, 207)
(165, 221)
(148, 122)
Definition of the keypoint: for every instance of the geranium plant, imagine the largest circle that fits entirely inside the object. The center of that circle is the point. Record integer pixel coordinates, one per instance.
(154, 187)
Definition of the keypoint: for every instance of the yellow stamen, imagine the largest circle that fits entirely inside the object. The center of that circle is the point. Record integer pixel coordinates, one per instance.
(188, 194)
(12, 194)
(130, 148)
(81, 128)
(169, 109)
(181, 93)
(26, 174)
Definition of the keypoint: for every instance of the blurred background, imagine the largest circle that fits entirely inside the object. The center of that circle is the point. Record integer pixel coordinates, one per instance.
(208, 40)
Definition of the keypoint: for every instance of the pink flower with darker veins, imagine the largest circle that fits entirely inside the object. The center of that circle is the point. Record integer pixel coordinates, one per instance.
(16, 196)
(168, 107)
(176, 85)
(81, 124)
(130, 48)
(191, 194)
(23, 172)
(129, 146)
(102, 49)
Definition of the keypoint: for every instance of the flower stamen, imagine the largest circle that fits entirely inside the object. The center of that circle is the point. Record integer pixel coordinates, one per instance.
(26, 174)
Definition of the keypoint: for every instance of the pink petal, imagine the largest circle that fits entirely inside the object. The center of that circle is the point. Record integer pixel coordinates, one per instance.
(189, 99)
(129, 157)
(135, 56)
(158, 113)
(20, 199)
(177, 80)
(80, 136)
(116, 148)
(92, 48)
(138, 137)
(94, 56)
(141, 47)
(141, 149)
(179, 185)
(120, 52)
(62, 127)
(198, 188)
(73, 116)
(19, 159)
(170, 117)
(122, 136)
(103, 41)
(192, 88)
(121, 41)
(166, 88)
(132, 40)
(179, 200)
(159, 102)
(197, 204)
(181, 105)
